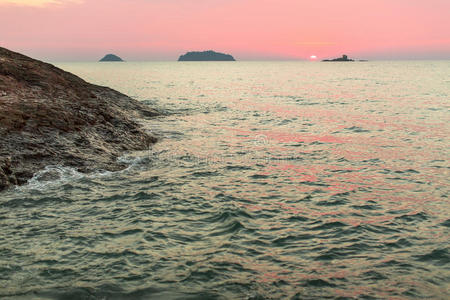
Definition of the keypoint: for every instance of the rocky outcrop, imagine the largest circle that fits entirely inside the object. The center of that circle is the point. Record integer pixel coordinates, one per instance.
(206, 56)
(111, 57)
(6, 174)
(51, 117)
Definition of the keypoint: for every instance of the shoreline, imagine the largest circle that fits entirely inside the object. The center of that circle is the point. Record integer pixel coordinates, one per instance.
(52, 117)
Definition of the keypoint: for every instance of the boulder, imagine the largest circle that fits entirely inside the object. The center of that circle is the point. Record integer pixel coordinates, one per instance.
(52, 117)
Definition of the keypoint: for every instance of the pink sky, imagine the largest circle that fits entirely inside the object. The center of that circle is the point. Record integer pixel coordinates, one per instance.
(248, 29)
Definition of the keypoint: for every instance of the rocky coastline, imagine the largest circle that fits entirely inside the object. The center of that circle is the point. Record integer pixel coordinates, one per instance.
(52, 117)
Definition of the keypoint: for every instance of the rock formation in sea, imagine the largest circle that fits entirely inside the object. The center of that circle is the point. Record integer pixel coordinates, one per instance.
(52, 117)
(343, 58)
(111, 57)
(206, 56)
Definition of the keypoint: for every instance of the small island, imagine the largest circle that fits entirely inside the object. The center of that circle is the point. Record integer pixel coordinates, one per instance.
(343, 58)
(111, 57)
(206, 56)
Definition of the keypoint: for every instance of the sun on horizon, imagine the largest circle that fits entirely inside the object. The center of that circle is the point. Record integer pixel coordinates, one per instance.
(82, 30)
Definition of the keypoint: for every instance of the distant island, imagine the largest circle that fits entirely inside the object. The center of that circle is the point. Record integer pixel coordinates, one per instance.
(343, 58)
(111, 57)
(206, 56)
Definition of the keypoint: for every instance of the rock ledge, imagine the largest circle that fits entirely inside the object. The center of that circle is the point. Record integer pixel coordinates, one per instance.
(52, 117)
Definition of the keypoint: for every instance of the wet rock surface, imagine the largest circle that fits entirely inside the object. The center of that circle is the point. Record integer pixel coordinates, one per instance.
(52, 117)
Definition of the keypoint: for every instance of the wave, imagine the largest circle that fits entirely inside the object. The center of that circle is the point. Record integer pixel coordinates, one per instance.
(108, 291)
(57, 175)
(52, 175)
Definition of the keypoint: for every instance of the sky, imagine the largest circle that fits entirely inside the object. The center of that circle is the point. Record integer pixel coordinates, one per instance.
(86, 30)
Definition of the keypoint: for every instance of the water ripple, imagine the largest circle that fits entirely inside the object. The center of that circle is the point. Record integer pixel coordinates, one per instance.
(269, 181)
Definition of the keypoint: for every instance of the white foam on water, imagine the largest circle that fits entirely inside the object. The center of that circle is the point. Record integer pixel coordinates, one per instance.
(53, 175)
(135, 160)
(56, 175)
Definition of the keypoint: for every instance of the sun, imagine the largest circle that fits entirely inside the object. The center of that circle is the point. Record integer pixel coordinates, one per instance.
(312, 57)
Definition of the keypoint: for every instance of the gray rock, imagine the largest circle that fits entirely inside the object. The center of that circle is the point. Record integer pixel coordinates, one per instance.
(51, 117)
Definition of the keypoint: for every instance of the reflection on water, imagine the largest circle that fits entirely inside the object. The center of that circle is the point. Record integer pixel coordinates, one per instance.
(270, 180)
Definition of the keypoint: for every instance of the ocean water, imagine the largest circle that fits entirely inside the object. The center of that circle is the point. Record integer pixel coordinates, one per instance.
(271, 180)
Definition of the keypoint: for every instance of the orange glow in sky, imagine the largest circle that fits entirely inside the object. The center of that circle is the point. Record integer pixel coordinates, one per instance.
(247, 29)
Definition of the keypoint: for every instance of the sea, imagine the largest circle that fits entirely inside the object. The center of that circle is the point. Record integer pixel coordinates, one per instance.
(270, 180)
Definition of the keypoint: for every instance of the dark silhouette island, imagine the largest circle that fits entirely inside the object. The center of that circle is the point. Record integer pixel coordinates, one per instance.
(343, 58)
(206, 56)
(111, 57)
(49, 117)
